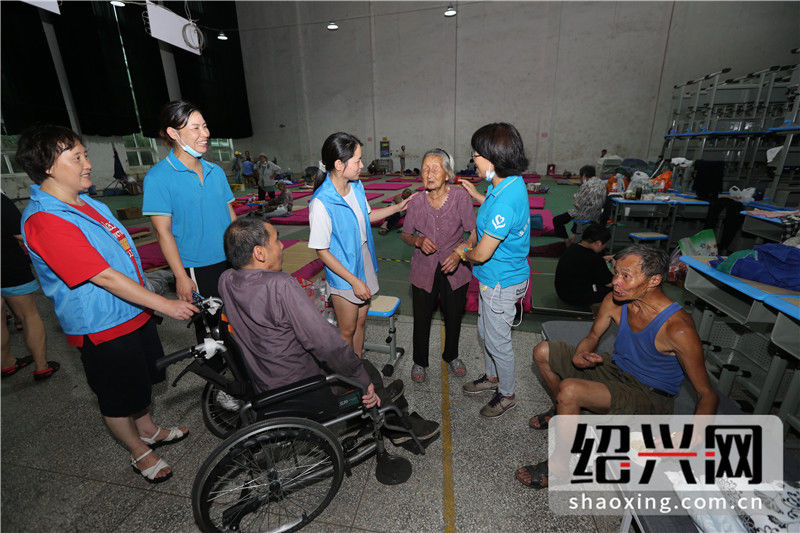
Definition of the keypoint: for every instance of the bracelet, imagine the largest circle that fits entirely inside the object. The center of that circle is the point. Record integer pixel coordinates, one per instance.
(464, 252)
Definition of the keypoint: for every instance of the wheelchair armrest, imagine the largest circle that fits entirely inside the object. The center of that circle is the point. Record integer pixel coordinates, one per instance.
(300, 387)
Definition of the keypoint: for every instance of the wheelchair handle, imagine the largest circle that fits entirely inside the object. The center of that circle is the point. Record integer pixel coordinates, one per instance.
(171, 359)
(208, 348)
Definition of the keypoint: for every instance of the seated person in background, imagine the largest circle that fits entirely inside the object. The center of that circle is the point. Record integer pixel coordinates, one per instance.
(281, 206)
(582, 275)
(391, 221)
(284, 337)
(589, 201)
(656, 344)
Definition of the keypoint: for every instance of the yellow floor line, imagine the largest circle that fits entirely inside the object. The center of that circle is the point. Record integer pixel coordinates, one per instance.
(448, 499)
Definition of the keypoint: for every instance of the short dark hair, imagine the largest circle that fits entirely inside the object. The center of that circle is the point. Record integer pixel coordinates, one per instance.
(40, 145)
(175, 115)
(588, 171)
(655, 262)
(241, 237)
(338, 146)
(501, 144)
(596, 232)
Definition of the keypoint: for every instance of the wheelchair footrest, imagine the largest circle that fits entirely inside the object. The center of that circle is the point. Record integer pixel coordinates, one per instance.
(392, 469)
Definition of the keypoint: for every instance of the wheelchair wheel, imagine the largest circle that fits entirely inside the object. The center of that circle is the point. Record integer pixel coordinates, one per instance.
(220, 410)
(275, 475)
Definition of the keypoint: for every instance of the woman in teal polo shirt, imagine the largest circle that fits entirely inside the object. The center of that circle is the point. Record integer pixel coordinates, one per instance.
(340, 217)
(500, 257)
(189, 200)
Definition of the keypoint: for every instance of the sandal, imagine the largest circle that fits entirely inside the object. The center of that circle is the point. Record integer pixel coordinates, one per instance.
(383, 231)
(150, 473)
(418, 374)
(538, 475)
(457, 367)
(542, 419)
(175, 435)
(52, 368)
(20, 363)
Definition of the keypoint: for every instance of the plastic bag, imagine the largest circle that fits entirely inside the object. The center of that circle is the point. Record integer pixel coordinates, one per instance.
(703, 244)
(740, 195)
(663, 181)
(639, 179)
(677, 269)
(616, 183)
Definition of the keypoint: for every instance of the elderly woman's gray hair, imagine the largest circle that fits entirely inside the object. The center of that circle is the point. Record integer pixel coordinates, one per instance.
(447, 161)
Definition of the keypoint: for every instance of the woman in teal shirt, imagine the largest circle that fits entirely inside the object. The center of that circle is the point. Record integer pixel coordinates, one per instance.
(500, 257)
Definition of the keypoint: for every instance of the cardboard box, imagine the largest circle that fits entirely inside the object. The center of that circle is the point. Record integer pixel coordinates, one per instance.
(129, 213)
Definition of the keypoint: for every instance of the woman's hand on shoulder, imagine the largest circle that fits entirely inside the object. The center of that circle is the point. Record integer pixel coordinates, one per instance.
(469, 187)
(403, 205)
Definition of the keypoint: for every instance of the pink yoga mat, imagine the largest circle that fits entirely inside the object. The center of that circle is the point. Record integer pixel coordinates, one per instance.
(385, 186)
(151, 255)
(299, 217)
(409, 179)
(373, 195)
(288, 243)
(241, 210)
(301, 194)
(535, 202)
(547, 221)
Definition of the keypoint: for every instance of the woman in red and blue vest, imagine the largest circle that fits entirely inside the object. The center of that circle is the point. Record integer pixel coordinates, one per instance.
(89, 268)
(340, 218)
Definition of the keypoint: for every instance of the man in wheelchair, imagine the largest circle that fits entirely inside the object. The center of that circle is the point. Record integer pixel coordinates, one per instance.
(285, 339)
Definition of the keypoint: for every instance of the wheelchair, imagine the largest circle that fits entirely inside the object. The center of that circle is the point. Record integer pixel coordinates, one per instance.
(282, 460)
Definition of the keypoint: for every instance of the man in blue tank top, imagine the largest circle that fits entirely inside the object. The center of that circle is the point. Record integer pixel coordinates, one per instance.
(657, 343)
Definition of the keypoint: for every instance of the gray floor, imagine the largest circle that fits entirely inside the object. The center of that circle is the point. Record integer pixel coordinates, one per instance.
(62, 471)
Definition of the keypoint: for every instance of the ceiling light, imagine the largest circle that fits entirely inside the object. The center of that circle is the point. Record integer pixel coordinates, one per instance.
(332, 26)
(450, 11)
(117, 3)
(222, 36)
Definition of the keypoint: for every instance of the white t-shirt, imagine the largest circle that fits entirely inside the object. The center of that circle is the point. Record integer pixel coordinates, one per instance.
(320, 221)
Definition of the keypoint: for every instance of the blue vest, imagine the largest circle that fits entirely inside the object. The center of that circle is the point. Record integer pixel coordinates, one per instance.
(86, 308)
(345, 236)
(636, 353)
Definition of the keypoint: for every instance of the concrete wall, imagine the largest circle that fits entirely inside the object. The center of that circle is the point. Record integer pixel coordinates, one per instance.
(573, 77)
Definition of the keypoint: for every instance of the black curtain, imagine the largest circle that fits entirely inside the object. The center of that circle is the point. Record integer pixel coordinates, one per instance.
(144, 62)
(90, 48)
(30, 88)
(214, 81)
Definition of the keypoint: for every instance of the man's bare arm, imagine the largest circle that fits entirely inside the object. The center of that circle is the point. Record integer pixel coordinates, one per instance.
(685, 343)
(603, 321)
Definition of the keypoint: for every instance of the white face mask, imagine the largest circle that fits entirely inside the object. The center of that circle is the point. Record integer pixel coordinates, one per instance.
(188, 149)
(490, 175)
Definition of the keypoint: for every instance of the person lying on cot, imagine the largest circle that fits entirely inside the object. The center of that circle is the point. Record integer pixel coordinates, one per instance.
(657, 343)
(284, 337)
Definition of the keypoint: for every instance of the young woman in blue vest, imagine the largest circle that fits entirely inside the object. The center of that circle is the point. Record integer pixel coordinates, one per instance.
(189, 200)
(340, 217)
(500, 257)
(88, 266)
